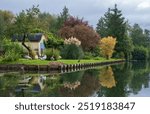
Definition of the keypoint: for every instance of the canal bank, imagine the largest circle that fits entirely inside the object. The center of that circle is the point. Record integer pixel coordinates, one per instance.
(54, 66)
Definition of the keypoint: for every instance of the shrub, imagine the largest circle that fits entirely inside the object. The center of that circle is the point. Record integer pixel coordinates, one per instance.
(71, 51)
(88, 55)
(118, 55)
(10, 56)
(52, 53)
(12, 51)
(140, 53)
(96, 51)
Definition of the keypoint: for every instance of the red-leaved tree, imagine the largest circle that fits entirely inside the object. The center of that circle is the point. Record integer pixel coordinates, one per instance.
(81, 30)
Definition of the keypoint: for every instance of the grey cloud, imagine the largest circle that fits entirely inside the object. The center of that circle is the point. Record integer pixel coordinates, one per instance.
(91, 10)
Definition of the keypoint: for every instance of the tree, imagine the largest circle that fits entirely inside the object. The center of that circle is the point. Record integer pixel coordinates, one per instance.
(64, 15)
(114, 24)
(107, 46)
(101, 27)
(80, 29)
(25, 22)
(137, 35)
(47, 21)
(6, 21)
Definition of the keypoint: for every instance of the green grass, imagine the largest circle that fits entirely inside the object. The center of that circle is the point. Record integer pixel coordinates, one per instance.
(45, 62)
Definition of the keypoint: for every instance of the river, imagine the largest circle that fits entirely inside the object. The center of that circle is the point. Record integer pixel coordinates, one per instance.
(119, 80)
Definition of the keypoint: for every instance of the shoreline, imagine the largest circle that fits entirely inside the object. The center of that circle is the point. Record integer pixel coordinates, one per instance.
(56, 67)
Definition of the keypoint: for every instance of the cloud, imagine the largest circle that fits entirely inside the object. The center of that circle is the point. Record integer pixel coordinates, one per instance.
(136, 11)
(143, 5)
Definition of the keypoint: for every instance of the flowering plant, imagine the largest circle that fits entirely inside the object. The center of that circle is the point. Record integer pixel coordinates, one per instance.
(72, 40)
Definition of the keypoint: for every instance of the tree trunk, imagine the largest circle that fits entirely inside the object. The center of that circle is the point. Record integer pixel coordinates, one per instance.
(31, 52)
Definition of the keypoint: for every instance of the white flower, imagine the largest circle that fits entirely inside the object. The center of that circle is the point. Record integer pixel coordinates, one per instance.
(72, 40)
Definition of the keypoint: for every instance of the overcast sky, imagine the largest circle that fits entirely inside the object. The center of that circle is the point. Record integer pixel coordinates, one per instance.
(136, 11)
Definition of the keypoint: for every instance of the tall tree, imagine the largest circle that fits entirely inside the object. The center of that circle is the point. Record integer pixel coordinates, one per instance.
(137, 35)
(64, 15)
(101, 29)
(114, 24)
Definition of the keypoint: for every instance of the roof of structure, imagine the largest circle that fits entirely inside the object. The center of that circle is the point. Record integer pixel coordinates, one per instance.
(32, 37)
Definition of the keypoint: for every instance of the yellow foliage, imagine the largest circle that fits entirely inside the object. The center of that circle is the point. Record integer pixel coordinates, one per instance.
(106, 78)
(107, 45)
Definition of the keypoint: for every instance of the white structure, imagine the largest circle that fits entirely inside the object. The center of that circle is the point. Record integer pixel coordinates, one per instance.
(35, 41)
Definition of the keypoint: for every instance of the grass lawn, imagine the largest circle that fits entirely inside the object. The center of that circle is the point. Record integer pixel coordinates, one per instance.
(45, 62)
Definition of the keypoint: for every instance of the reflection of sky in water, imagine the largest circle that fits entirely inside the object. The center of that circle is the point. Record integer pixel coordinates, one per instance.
(145, 92)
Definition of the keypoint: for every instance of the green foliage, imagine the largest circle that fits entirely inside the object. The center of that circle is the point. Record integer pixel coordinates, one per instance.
(10, 56)
(62, 17)
(53, 41)
(96, 51)
(88, 55)
(12, 51)
(72, 77)
(27, 20)
(114, 24)
(140, 53)
(138, 36)
(6, 18)
(119, 55)
(72, 51)
(49, 52)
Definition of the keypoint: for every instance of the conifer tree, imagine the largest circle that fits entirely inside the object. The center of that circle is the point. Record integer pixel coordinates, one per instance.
(114, 24)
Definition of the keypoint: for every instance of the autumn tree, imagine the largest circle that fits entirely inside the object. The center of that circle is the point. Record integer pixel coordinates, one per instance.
(80, 29)
(107, 45)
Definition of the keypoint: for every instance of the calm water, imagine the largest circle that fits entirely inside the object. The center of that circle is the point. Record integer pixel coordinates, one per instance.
(121, 80)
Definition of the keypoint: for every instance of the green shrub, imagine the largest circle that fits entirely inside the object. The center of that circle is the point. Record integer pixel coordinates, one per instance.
(10, 56)
(72, 51)
(96, 52)
(49, 52)
(118, 55)
(12, 51)
(88, 55)
(140, 53)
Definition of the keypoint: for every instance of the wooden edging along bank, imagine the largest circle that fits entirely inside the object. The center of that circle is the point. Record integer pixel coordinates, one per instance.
(49, 68)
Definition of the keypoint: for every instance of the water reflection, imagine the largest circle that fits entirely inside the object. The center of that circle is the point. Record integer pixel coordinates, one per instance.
(106, 77)
(122, 80)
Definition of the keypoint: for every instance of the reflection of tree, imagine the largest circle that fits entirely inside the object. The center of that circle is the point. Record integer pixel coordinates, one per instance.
(106, 77)
(121, 75)
(73, 85)
(8, 83)
(88, 85)
(72, 77)
(141, 77)
(130, 78)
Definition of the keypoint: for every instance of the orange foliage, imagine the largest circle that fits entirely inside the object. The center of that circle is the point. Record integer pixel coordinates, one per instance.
(107, 45)
(107, 78)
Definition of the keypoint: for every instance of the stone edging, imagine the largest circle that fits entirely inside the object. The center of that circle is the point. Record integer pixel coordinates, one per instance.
(49, 68)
